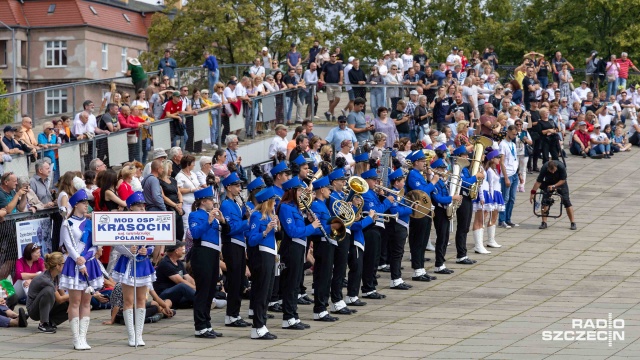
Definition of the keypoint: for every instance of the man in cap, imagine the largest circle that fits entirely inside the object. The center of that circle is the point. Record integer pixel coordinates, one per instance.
(453, 58)
(12, 144)
(293, 56)
(441, 200)
(553, 178)
(158, 153)
(340, 133)
(332, 75)
(279, 142)
(581, 144)
(464, 212)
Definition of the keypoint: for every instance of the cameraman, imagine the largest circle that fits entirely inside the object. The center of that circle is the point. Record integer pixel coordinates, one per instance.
(553, 178)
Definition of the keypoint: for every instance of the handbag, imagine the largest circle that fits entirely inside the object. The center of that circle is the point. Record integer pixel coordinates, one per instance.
(132, 139)
(611, 78)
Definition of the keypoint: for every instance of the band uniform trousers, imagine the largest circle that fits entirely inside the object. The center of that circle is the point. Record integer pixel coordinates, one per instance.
(303, 289)
(384, 249)
(463, 217)
(396, 235)
(205, 267)
(275, 290)
(356, 255)
(292, 255)
(419, 232)
(262, 265)
(323, 252)
(441, 223)
(235, 259)
(372, 238)
(340, 260)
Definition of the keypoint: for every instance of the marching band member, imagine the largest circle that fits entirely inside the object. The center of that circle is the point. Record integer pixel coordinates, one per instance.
(465, 210)
(373, 235)
(292, 250)
(493, 159)
(419, 228)
(356, 255)
(397, 231)
(233, 249)
(253, 189)
(280, 174)
(323, 252)
(81, 269)
(144, 277)
(482, 205)
(441, 199)
(206, 223)
(301, 167)
(341, 255)
(362, 163)
(262, 260)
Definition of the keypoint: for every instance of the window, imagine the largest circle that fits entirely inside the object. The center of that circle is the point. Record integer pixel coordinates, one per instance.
(23, 54)
(56, 53)
(52, 9)
(124, 65)
(93, 10)
(3, 52)
(126, 18)
(105, 57)
(56, 101)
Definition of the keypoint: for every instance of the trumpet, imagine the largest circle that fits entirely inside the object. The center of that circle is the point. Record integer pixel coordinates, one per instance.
(397, 193)
(384, 217)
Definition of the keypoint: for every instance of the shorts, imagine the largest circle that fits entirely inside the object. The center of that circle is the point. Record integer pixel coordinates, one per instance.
(352, 95)
(333, 91)
(563, 192)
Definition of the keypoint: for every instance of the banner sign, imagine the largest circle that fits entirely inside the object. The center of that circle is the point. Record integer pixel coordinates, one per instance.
(37, 231)
(134, 228)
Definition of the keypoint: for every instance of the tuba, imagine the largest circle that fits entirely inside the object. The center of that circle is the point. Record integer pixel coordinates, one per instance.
(480, 143)
(455, 183)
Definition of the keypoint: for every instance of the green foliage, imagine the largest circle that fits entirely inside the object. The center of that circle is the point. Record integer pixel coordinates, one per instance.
(8, 110)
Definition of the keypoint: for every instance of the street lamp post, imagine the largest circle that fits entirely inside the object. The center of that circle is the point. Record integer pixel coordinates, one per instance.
(13, 49)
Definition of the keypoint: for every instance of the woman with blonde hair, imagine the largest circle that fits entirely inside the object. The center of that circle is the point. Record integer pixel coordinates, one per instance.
(45, 302)
(125, 188)
(65, 190)
(462, 135)
(326, 153)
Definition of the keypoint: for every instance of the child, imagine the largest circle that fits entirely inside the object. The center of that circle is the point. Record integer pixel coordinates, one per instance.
(493, 179)
(619, 141)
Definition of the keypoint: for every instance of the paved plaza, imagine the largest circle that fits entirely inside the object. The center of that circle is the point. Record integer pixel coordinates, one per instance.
(496, 309)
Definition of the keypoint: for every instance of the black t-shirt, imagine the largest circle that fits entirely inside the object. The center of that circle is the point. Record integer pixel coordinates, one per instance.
(441, 108)
(543, 71)
(534, 131)
(429, 79)
(105, 119)
(558, 63)
(526, 82)
(397, 115)
(464, 107)
(546, 178)
(590, 106)
(340, 57)
(290, 80)
(331, 72)
(545, 125)
(421, 59)
(165, 270)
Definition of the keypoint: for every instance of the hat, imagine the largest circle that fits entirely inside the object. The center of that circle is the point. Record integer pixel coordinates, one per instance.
(342, 118)
(280, 126)
(582, 123)
(455, 48)
(294, 183)
(255, 184)
(414, 92)
(280, 167)
(596, 125)
(583, 82)
(78, 197)
(337, 174)
(265, 194)
(442, 147)
(320, 183)
(232, 179)
(364, 157)
(139, 107)
(232, 82)
(265, 49)
(460, 150)
(158, 153)
(135, 198)
(350, 59)
(133, 61)
(417, 155)
(172, 248)
(206, 193)
(468, 65)
(493, 154)
(300, 160)
(438, 164)
(386, 52)
(176, 93)
(507, 91)
(369, 174)
(396, 175)
(9, 128)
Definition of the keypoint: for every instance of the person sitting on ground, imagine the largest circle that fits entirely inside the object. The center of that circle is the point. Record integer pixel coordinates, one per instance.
(619, 141)
(45, 302)
(156, 308)
(172, 281)
(8, 318)
(28, 267)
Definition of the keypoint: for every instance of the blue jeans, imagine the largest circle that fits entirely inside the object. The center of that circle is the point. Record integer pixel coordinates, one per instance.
(181, 295)
(622, 82)
(600, 149)
(544, 81)
(377, 100)
(213, 79)
(183, 140)
(401, 135)
(213, 130)
(612, 88)
(509, 195)
(289, 106)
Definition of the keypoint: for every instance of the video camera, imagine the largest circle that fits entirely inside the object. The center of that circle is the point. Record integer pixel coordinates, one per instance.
(545, 199)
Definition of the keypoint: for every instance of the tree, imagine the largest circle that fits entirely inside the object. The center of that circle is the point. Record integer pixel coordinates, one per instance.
(8, 110)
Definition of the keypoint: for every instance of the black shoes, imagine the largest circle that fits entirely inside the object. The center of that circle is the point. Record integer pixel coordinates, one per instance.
(401, 286)
(267, 336)
(298, 326)
(466, 261)
(543, 226)
(211, 334)
(573, 226)
(46, 328)
(22, 318)
(327, 318)
(423, 277)
(275, 308)
(238, 323)
(344, 311)
(374, 295)
(357, 303)
(305, 300)
(269, 316)
(444, 271)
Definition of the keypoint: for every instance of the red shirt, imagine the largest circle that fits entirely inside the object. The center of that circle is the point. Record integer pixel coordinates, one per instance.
(584, 137)
(624, 68)
(124, 190)
(129, 122)
(172, 108)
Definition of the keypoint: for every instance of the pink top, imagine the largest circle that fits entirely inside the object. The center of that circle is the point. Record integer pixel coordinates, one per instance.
(23, 267)
(221, 170)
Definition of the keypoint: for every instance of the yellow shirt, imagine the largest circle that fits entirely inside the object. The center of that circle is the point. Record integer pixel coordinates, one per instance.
(208, 103)
(145, 132)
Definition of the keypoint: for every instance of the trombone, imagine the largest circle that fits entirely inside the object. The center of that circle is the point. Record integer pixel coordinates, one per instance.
(417, 200)
(384, 217)
(449, 176)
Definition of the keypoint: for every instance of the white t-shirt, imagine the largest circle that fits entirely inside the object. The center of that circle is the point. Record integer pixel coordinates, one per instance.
(278, 144)
(79, 128)
(598, 137)
(241, 91)
(581, 93)
(92, 121)
(143, 103)
(266, 60)
(383, 70)
(453, 59)
(346, 76)
(604, 120)
(408, 61)
(632, 129)
(509, 151)
(188, 182)
(257, 70)
(229, 94)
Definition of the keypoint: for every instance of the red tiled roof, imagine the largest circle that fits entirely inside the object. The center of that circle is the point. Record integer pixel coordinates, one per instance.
(74, 13)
